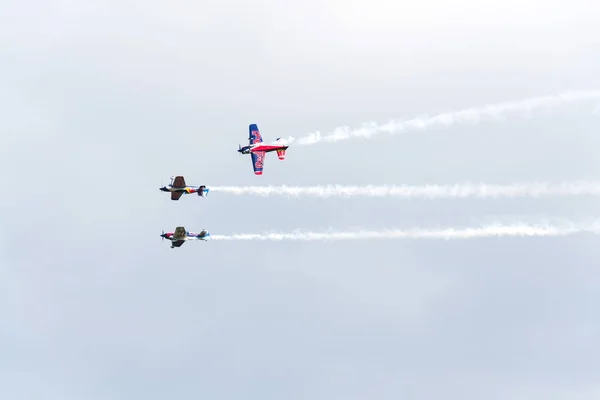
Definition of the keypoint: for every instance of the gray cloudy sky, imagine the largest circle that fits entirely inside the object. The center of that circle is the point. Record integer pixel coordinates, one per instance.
(103, 101)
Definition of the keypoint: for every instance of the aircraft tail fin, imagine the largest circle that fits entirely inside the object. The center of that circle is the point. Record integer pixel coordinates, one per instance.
(203, 191)
(281, 154)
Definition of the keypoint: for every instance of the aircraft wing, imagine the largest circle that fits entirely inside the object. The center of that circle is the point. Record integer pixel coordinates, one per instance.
(179, 182)
(177, 243)
(258, 159)
(254, 135)
(179, 233)
(176, 195)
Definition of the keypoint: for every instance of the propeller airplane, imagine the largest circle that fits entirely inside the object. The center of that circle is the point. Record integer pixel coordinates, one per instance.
(258, 150)
(178, 187)
(180, 236)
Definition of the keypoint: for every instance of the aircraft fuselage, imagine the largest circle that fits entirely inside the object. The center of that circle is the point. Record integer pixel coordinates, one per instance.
(267, 148)
(188, 236)
(187, 189)
(259, 145)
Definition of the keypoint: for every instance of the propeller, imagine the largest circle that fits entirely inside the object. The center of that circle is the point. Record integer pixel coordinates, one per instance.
(163, 235)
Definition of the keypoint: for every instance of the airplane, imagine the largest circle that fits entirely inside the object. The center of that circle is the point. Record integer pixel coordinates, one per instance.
(258, 150)
(178, 188)
(180, 236)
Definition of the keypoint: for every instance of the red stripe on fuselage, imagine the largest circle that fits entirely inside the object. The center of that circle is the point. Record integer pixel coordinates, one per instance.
(268, 148)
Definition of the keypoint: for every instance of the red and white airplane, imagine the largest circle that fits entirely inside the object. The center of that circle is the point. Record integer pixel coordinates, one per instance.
(258, 150)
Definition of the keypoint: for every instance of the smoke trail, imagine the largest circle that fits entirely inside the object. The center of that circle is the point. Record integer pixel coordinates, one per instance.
(456, 191)
(467, 116)
(495, 230)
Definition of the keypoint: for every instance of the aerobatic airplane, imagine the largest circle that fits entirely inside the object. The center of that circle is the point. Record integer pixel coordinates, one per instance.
(180, 236)
(178, 188)
(258, 150)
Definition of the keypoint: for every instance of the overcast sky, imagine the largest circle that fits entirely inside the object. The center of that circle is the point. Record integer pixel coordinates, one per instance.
(104, 101)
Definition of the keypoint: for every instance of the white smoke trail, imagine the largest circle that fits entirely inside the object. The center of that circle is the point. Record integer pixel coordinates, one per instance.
(494, 230)
(456, 191)
(467, 116)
